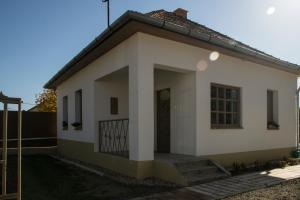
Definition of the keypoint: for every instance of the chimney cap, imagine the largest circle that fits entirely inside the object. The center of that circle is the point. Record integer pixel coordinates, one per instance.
(181, 12)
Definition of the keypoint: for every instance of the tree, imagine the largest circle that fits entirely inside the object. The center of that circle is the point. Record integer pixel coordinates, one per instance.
(46, 101)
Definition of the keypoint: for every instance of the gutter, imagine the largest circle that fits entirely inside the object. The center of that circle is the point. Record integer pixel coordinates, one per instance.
(131, 15)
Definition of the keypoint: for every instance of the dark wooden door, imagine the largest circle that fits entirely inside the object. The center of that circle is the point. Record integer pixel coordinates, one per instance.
(163, 121)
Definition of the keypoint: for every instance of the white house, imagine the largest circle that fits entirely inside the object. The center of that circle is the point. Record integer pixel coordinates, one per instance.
(159, 84)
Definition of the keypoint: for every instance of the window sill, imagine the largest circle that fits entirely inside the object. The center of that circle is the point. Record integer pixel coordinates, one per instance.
(273, 129)
(79, 128)
(226, 128)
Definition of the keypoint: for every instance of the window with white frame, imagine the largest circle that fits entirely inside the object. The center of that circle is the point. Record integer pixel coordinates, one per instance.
(78, 110)
(65, 113)
(225, 106)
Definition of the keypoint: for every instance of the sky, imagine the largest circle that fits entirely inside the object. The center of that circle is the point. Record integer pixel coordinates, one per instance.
(38, 37)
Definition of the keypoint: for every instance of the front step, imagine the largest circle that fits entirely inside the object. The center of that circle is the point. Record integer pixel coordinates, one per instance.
(192, 163)
(200, 171)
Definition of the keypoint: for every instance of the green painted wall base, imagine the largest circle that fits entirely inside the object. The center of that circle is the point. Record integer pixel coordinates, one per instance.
(138, 169)
(251, 156)
(142, 169)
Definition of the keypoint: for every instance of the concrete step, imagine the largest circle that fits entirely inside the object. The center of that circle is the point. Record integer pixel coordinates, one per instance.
(192, 164)
(202, 170)
(198, 171)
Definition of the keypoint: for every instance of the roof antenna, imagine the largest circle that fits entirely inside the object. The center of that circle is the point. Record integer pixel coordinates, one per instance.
(107, 1)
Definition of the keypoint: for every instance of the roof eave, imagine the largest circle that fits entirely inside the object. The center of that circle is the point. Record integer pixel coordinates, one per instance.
(130, 15)
(104, 35)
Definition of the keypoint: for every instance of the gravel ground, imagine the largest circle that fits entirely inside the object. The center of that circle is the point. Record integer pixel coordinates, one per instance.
(284, 191)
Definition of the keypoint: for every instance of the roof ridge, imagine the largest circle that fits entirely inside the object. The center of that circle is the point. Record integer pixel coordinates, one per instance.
(155, 11)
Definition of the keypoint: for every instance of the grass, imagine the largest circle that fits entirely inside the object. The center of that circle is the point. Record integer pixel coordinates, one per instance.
(45, 178)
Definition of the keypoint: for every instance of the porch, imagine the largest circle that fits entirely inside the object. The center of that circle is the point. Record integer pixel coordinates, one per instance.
(139, 119)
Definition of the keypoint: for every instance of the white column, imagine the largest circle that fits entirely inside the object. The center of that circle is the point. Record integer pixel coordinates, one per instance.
(198, 103)
(141, 112)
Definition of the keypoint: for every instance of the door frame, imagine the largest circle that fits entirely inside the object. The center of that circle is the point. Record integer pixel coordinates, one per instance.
(158, 149)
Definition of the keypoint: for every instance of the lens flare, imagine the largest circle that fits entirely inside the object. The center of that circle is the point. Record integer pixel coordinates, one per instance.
(271, 10)
(202, 65)
(213, 56)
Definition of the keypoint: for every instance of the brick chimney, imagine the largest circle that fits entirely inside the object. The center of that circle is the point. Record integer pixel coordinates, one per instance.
(181, 12)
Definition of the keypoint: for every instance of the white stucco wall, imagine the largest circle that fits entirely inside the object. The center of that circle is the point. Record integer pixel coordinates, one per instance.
(141, 53)
(112, 86)
(182, 112)
(254, 80)
(119, 57)
(140, 99)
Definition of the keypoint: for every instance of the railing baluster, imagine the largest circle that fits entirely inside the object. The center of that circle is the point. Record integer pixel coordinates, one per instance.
(113, 137)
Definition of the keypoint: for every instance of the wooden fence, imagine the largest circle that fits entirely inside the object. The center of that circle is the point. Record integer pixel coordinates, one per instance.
(38, 129)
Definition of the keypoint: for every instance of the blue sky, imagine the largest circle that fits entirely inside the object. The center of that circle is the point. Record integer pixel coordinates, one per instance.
(37, 37)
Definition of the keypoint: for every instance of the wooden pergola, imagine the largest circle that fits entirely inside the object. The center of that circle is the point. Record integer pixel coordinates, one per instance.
(17, 101)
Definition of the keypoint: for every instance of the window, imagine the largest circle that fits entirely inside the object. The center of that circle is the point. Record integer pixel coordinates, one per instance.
(225, 106)
(114, 106)
(78, 110)
(272, 110)
(65, 113)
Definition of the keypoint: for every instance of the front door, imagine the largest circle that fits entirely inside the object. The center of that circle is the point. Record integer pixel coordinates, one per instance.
(163, 121)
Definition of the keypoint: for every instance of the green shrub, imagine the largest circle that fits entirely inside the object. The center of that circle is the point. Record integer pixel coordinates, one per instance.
(236, 166)
(268, 165)
(257, 165)
(292, 162)
(243, 166)
(282, 163)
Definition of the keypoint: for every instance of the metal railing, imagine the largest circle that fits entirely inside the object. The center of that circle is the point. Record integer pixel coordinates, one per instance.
(113, 137)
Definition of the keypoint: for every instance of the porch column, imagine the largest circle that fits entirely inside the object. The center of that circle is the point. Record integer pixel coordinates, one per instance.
(141, 112)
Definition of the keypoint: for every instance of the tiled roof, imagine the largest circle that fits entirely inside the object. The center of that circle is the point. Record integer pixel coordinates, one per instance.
(171, 22)
(171, 17)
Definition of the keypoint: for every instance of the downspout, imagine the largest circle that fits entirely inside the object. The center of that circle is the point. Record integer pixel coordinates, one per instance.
(297, 117)
(296, 153)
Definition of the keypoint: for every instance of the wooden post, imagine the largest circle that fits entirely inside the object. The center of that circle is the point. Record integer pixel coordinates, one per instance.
(19, 150)
(9, 100)
(4, 149)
